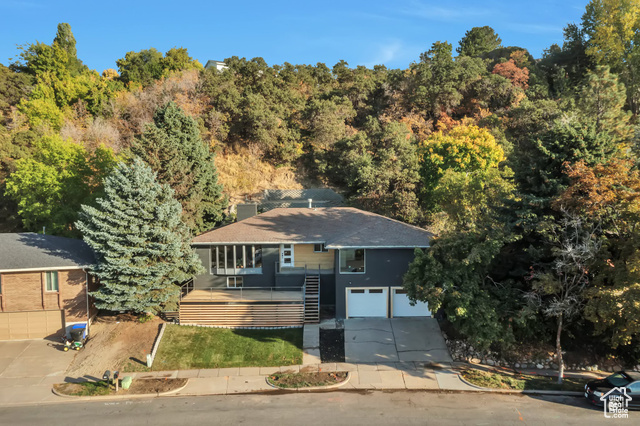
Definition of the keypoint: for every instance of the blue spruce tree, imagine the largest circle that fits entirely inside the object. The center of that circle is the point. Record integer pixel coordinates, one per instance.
(141, 244)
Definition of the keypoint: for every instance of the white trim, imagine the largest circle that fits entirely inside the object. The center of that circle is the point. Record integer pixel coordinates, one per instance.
(59, 268)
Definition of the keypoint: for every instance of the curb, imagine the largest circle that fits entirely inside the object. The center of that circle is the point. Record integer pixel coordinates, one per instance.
(312, 388)
(517, 391)
(118, 397)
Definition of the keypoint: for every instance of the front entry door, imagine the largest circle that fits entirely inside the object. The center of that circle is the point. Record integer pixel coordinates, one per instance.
(286, 255)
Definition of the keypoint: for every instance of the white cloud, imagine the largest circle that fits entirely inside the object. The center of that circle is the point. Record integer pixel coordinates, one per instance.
(385, 53)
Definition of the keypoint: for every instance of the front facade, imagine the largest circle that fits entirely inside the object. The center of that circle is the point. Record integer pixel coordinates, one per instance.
(359, 258)
(43, 285)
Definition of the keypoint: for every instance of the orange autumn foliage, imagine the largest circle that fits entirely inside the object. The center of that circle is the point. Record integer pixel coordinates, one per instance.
(518, 76)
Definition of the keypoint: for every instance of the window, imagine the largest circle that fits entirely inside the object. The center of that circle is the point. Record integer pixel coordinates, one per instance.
(634, 388)
(51, 281)
(375, 291)
(352, 261)
(234, 282)
(258, 256)
(320, 248)
(234, 260)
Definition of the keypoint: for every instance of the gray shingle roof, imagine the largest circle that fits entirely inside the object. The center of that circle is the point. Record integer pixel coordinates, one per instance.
(337, 227)
(36, 251)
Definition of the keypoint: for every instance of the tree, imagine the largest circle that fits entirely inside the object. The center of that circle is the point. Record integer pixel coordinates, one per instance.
(142, 246)
(463, 149)
(455, 275)
(609, 194)
(478, 41)
(65, 39)
(613, 27)
(509, 70)
(380, 169)
(601, 99)
(559, 288)
(173, 148)
(142, 67)
(178, 59)
(50, 187)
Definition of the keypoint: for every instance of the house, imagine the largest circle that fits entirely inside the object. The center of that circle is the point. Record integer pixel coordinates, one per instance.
(43, 285)
(279, 267)
(218, 65)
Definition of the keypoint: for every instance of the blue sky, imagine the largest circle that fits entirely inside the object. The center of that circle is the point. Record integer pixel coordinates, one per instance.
(368, 32)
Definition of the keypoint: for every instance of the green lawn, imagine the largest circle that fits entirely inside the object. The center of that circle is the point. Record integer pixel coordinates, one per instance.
(519, 381)
(184, 347)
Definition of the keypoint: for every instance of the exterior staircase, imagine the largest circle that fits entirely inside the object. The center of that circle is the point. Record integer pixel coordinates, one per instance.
(312, 299)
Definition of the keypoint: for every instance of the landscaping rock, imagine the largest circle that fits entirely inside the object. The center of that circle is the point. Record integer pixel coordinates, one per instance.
(539, 366)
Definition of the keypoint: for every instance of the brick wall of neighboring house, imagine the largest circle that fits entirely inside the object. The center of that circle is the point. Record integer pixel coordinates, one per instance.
(25, 291)
(73, 295)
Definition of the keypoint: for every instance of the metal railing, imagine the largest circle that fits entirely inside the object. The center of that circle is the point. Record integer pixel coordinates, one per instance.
(251, 293)
(186, 288)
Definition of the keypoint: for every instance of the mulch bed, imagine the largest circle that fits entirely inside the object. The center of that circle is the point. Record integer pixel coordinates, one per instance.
(306, 380)
(138, 387)
(332, 345)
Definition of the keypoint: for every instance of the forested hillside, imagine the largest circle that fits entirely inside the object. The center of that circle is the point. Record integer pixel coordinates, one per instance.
(525, 168)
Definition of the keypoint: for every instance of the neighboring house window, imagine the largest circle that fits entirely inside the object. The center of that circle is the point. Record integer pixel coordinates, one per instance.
(352, 261)
(234, 282)
(320, 248)
(234, 259)
(51, 281)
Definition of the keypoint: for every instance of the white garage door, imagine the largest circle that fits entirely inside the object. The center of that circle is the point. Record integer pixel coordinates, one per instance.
(367, 302)
(401, 307)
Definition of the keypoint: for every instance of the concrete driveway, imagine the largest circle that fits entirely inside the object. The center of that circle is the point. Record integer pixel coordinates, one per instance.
(393, 340)
(28, 368)
(32, 358)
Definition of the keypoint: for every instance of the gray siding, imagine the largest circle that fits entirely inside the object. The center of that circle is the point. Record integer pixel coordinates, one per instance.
(383, 267)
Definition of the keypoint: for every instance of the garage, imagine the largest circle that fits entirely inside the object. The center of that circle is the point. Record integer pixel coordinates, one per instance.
(368, 302)
(401, 306)
(30, 325)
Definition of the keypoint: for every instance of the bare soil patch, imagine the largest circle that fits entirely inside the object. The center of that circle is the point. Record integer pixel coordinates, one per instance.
(306, 380)
(138, 387)
(119, 342)
(332, 345)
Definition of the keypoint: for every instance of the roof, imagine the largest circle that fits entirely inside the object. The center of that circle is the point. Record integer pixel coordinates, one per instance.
(29, 251)
(336, 227)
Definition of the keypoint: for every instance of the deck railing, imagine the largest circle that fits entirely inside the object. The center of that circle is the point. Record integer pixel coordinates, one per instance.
(250, 293)
(186, 288)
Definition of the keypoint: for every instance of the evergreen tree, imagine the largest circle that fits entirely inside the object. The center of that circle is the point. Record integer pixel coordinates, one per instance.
(172, 146)
(142, 245)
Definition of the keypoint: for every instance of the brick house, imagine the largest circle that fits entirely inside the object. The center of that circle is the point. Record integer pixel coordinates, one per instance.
(43, 285)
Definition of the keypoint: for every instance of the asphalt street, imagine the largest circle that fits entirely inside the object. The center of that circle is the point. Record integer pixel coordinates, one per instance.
(327, 409)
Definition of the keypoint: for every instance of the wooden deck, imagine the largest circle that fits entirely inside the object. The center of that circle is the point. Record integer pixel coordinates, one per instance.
(243, 295)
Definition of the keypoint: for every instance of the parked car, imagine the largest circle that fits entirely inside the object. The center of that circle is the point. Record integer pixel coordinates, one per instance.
(614, 385)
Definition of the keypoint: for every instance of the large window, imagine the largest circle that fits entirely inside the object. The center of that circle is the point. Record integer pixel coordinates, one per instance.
(352, 261)
(51, 281)
(234, 260)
